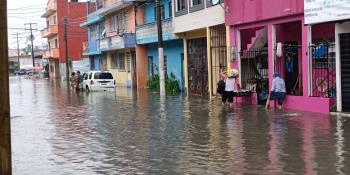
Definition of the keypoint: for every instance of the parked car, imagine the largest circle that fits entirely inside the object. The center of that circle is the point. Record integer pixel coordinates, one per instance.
(98, 81)
(21, 72)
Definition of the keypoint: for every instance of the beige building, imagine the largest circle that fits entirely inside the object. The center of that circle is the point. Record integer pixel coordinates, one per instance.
(202, 27)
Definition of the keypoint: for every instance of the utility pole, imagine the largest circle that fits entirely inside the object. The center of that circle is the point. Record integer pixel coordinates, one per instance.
(160, 51)
(5, 124)
(19, 65)
(31, 39)
(66, 45)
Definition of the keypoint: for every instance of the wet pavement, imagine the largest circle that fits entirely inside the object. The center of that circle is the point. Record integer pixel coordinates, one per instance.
(124, 133)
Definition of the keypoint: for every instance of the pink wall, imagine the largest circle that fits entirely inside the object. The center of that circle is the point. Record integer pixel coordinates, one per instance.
(243, 11)
(292, 29)
(131, 21)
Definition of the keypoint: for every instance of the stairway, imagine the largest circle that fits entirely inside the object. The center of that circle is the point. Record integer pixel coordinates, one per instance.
(259, 40)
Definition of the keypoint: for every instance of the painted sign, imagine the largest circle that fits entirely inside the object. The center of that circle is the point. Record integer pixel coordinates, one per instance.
(320, 11)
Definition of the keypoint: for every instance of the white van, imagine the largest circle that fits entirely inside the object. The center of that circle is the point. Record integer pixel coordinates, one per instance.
(98, 81)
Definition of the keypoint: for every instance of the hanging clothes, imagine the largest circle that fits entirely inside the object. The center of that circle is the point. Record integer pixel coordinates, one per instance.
(279, 52)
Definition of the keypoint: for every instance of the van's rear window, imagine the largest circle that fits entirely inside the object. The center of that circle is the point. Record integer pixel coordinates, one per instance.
(103, 76)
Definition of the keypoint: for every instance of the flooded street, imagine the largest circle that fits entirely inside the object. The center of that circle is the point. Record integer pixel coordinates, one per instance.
(124, 133)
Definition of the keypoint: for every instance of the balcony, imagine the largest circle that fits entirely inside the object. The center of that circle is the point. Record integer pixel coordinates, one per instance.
(49, 31)
(49, 11)
(127, 40)
(148, 33)
(52, 53)
(115, 7)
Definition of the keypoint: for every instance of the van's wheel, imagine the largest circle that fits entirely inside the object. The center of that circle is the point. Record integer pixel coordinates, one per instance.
(87, 89)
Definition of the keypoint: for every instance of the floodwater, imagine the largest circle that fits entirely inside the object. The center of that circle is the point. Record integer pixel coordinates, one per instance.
(125, 132)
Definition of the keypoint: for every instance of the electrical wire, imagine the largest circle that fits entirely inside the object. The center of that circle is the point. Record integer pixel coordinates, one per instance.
(27, 7)
(24, 13)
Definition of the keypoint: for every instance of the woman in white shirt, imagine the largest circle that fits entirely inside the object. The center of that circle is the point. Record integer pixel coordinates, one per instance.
(231, 86)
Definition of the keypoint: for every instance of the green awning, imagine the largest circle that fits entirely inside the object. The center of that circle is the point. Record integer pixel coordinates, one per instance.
(92, 53)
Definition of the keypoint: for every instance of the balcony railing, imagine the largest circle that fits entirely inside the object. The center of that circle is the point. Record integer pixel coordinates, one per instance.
(52, 53)
(49, 31)
(148, 33)
(127, 40)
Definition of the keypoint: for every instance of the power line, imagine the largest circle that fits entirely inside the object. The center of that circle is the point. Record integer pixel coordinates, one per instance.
(24, 13)
(27, 7)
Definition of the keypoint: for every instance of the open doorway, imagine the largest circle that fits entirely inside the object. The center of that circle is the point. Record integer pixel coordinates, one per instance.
(288, 59)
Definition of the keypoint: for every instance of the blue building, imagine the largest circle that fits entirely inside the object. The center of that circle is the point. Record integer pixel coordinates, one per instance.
(147, 51)
(95, 25)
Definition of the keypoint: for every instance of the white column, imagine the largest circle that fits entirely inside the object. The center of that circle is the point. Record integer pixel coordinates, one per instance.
(309, 55)
(338, 67)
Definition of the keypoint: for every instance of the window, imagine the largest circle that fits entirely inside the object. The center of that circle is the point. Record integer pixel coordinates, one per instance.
(101, 31)
(118, 61)
(93, 32)
(54, 20)
(49, 45)
(162, 12)
(100, 75)
(114, 61)
(180, 5)
(150, 66)
(196, 2)
(121, 61)
(119, 23)
(196, 5)
(90, 76)
(56, 43)
(170, 10)
(47, 24)
(113, 24)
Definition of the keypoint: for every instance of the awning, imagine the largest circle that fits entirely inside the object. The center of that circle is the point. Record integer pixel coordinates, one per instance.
(92, 21)
(115, 7)
(92, 53)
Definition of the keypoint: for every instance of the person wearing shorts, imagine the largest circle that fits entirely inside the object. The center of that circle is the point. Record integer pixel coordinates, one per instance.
(278, 90)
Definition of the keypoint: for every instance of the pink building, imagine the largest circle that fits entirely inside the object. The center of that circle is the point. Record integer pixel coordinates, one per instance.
(270, 36)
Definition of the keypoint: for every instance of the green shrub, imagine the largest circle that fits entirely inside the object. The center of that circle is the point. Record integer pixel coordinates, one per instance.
(172, 85)
(334, 108)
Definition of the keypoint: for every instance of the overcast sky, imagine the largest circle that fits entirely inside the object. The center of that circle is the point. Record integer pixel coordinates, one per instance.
(25, 11)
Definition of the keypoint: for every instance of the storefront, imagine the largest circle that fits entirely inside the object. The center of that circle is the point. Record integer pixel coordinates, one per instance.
(279, 42)
(330, 60)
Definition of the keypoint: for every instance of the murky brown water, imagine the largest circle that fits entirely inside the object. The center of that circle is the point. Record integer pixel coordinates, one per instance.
(124, 133)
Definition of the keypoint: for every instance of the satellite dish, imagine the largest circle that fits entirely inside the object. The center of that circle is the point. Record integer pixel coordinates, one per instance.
(215, 2)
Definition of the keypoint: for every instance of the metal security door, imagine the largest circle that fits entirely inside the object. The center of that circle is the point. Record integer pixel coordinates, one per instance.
(197, 67)
(345, 70)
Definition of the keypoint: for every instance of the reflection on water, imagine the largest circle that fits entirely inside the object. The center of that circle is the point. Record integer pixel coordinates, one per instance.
(137, 132)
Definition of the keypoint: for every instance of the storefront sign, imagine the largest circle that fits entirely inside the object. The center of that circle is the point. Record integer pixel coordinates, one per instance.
(320, 11)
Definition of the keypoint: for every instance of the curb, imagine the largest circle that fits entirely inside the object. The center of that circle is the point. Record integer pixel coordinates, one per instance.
(340, 114)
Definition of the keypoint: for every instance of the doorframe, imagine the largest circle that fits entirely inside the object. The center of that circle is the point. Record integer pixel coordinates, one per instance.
(339, 29)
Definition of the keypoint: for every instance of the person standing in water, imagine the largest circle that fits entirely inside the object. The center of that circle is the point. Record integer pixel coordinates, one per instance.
(278, 90)
(231, 86)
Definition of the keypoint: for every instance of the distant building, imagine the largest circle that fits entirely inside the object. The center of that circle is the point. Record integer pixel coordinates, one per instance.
(75, 12)
(201, 25)
(25, 60)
